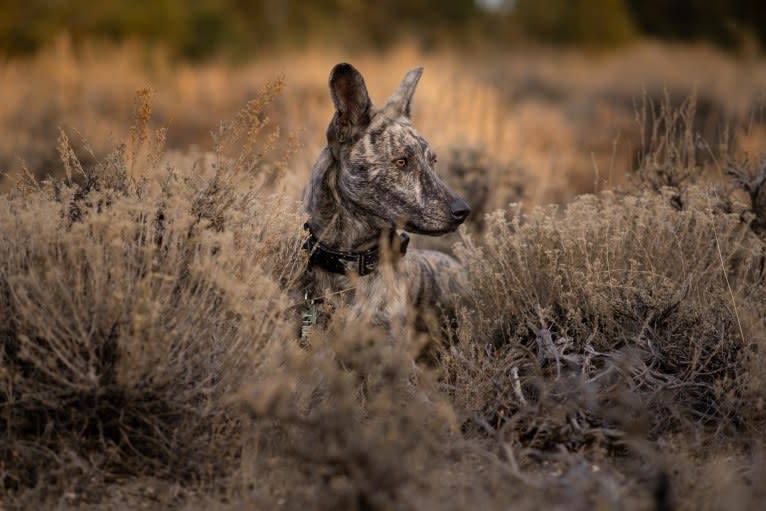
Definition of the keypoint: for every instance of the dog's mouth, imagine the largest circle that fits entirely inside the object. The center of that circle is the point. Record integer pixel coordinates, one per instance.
(440, 231)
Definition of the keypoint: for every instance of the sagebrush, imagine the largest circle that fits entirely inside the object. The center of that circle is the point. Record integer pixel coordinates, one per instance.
(611, 355)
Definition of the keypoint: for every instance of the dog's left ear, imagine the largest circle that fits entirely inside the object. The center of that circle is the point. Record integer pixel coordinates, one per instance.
(400, 102)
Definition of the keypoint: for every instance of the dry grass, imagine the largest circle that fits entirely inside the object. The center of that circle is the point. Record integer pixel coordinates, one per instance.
(567, 118)
(611, 355)
(139, 303)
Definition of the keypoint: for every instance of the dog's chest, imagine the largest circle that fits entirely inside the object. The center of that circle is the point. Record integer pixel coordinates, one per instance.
(378, 298)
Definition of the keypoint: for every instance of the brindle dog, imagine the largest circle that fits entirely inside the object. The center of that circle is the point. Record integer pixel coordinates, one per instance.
(376, 174)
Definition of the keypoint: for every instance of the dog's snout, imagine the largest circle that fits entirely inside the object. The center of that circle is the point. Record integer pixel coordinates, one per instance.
(459, 209)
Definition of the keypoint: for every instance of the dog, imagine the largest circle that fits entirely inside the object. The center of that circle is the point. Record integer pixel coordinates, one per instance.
(376, 174)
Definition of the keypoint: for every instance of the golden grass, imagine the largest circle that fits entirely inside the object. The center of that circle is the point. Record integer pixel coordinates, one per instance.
(566, 117)
(611, 355)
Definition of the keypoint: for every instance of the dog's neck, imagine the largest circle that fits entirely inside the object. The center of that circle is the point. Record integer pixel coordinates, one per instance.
(335, 222)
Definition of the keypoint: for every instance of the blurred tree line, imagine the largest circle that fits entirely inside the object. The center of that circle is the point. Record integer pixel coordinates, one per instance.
(242, 27)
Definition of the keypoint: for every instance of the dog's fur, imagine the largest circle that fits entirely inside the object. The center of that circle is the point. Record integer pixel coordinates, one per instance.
(376, 174)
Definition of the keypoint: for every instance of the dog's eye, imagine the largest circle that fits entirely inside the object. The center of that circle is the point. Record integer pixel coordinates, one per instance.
(401, 163)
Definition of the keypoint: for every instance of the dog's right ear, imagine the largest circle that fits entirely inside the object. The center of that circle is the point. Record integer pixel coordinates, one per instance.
(352, 105)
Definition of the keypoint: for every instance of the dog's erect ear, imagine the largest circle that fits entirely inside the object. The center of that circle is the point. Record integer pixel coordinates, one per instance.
(400, 102)
(352, 103)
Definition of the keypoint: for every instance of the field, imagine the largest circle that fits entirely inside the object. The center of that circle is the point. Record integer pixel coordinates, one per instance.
(611, 357)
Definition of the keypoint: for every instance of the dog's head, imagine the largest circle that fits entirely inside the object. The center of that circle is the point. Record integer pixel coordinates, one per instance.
(386, 169)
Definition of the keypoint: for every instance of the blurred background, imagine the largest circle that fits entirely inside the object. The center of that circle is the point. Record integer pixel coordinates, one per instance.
(531, 100)
(243, 28)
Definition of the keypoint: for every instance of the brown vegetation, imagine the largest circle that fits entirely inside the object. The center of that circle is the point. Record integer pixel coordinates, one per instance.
(611, 355)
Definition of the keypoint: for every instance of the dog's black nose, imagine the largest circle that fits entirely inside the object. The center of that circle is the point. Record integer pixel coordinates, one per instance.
(459, 209)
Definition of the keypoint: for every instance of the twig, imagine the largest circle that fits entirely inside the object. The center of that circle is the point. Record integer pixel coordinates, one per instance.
(726, 278)
(512, 465)
(517, 385)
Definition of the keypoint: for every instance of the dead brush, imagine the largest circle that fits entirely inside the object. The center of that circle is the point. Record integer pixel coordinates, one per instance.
(668, 156)
(131, 305)
(753, 181)
(615, 309)
(245, 141)
(365, 425)
(486, 184)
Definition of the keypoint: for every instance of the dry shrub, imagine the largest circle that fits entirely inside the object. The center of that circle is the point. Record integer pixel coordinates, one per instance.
(617, 313)
(719, 480)
(668, 155)
(351, 422)
(139, 294)
(484, 183)
(133, 300)
(366, 426)
(557, 114)
(752, 179)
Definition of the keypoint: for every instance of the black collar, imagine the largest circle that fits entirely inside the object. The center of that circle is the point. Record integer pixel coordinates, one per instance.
(341, 262)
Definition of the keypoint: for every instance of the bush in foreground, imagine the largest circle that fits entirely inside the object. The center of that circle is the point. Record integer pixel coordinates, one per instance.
(132, 307)
(146, 322)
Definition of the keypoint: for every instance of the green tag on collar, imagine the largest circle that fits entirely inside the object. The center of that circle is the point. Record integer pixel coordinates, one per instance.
(309, 315)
